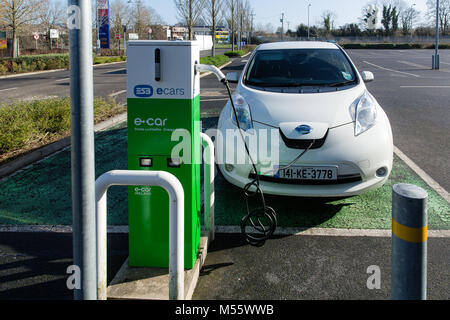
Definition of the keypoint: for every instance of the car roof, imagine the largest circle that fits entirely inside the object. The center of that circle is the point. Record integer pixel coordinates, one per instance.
(298, 45)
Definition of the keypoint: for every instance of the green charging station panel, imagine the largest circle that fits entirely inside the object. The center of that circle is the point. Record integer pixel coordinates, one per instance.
(163, 106)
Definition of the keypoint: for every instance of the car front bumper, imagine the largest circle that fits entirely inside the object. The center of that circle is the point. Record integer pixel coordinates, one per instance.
(357, 159)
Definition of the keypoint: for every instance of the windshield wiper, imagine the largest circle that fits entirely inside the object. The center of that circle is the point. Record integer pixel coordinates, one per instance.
(339, 84)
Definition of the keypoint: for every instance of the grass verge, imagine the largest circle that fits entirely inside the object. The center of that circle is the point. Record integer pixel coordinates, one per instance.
(217, 61)
(43, 62)
(25, 126)
(100, 60)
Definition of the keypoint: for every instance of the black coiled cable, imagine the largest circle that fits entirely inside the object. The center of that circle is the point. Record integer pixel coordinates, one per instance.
(265, 228)
(263, 219)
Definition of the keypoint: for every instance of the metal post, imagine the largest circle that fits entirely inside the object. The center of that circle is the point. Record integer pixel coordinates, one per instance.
(409, 243)
(436, 49)
(174, 188)
(97, 30)
(83, 166)
(208, 185)
(282, 25)
(309, 5)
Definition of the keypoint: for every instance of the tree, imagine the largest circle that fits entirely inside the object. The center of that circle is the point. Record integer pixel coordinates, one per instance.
(52, 17)
(387, 18)
(231, 19)
(408, 18)
(328, 18)
(142, 16)
(213, 15)
(394, 19)
(444, 14)
(189, 11)
(349, 30)
(244, 11)
(16, 14)
(369, 18)
(302, 31)
(119, 13)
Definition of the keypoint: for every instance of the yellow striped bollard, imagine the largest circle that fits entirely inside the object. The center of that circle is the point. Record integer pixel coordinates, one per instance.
(409, 242)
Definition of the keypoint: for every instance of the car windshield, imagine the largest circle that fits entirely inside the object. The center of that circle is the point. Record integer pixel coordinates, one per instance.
(300, 67)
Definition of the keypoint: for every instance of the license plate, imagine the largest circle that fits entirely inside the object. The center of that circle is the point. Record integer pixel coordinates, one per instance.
(308, 173)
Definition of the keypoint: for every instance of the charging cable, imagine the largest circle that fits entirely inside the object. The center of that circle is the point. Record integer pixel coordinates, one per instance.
(263, 219)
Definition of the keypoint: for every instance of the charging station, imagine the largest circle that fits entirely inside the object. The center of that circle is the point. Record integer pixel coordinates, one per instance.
(163, 95)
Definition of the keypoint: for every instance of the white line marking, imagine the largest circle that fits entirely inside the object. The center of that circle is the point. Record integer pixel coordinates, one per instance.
(116, 93)
(437, 87)
(420, 66)
(218, 99)
(331, 232)
(60, 80)
(414, 64)
(116, 70)
(423, 175)
(387, 69)
(444, 63)
(8, 89)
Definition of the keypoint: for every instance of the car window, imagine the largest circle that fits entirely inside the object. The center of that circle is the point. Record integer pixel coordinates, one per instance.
(299, 67)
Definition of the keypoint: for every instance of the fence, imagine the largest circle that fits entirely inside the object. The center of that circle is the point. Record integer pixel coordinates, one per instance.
(384, 39)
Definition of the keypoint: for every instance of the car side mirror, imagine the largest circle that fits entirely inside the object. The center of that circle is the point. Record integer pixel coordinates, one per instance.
(232, 77)
(367, 76)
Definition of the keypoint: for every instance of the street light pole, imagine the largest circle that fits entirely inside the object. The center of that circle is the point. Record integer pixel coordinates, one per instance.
(309, 5)
(435, 59)
(82, 151)
(282, 25)
(411, 21)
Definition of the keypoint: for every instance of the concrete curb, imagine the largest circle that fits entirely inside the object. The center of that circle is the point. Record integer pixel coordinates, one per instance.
(280, 231)
(43, 152)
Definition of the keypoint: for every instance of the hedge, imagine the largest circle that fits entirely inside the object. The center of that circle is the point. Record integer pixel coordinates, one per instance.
(34, 63)
(236, 53)
(391, 46)
(30, 124)
(45, 62)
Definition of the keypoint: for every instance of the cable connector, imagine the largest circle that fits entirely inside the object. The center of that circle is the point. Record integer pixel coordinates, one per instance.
(210, 68)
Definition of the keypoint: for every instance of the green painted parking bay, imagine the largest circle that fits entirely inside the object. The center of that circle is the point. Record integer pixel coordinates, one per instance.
(41, 194)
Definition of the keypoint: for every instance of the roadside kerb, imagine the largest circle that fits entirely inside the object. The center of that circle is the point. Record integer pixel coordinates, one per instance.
(280, 231)
(41, 153)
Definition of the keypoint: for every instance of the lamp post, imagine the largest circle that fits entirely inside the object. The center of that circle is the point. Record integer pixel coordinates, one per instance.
(411, 21)
(309, 5)
(435, 59)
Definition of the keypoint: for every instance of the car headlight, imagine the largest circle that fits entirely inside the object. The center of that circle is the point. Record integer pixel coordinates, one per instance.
(243, 113)
(364, 112)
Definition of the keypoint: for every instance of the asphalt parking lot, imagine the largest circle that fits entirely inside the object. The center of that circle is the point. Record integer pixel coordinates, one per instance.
(303, 266)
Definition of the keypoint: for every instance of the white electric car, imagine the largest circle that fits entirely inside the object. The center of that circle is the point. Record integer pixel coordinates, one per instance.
(297, 96)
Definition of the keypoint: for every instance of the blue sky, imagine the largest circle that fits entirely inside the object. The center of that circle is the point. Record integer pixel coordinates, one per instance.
(295, 11)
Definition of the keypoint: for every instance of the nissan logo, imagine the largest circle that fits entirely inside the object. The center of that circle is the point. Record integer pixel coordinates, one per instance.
(303, 129)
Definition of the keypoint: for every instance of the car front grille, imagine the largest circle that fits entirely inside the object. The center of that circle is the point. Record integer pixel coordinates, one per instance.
(341, 179)
(303, 144)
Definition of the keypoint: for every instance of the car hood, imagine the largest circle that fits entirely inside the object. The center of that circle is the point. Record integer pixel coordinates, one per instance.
(278, 109)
